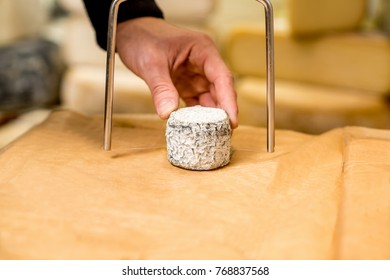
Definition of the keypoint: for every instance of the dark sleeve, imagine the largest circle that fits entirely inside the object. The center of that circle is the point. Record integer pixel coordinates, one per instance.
(98, 12)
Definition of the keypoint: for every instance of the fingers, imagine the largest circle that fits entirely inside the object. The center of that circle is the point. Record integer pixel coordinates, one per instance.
(208, 82)
(164, 55)
(165, 99)
(164, 93)
(226, 97)
(207, 100)
(206, 58)
(223, 87)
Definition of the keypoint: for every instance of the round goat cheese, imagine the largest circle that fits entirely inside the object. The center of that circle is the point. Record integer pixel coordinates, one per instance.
(198, 138)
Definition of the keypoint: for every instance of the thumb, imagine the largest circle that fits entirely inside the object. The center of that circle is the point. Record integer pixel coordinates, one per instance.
(164, 93)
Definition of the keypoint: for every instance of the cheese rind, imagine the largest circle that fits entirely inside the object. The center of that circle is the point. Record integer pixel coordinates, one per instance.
(353, 60)
(314, 16)
(198, 138)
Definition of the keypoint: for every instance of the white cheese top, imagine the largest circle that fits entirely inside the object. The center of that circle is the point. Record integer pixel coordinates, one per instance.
(199, 114)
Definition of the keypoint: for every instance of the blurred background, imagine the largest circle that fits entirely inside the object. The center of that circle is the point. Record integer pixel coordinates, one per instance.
(332, 61)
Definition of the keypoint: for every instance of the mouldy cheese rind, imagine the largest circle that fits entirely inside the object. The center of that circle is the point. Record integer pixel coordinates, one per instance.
(198, 138)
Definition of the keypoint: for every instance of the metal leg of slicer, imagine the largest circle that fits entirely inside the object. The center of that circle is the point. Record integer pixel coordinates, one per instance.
(111, 40)
(269, 25)
(110, 67)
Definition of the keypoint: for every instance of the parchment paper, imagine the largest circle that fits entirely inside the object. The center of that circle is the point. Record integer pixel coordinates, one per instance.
(316, 197)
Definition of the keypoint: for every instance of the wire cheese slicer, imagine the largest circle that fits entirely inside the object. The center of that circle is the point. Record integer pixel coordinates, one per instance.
(110, 67)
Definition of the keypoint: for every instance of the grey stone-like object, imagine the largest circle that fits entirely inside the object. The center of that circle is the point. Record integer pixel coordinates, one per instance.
(30, 74)
(198, 138)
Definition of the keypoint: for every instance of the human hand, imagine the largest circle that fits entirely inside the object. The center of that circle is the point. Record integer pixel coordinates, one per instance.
(176, 62)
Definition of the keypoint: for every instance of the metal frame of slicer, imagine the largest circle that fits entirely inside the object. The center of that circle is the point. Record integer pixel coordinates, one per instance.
(110, 67)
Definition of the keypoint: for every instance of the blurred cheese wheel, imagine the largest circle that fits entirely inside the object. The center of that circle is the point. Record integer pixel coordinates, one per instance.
(310, 108)
(310, 17)
(196, 12)
(18, 22)
(83, 90)
(73, 6)
(353, 60)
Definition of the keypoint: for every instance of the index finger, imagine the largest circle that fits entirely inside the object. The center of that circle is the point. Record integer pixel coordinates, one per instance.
(219, 75)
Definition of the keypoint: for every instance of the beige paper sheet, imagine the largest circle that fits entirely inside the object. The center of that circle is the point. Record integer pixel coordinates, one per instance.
(316, 197)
